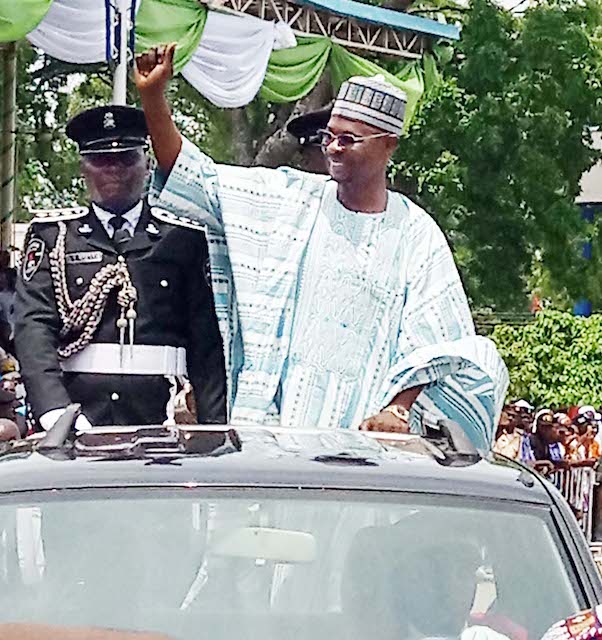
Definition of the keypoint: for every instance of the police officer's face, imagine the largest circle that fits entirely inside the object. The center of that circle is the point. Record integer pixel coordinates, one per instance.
(115, 181)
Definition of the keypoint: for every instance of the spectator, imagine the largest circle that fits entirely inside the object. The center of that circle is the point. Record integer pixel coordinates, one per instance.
(8, 281)
(12, 426)
(595, 418)
(509, 439)
(562, 419)
(585, 446)
(571, 442)
(542, 447)
(524, 411)
(4, 260)
(589, 443)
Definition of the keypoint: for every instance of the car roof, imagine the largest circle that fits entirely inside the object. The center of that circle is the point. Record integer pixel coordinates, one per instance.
(217, 456)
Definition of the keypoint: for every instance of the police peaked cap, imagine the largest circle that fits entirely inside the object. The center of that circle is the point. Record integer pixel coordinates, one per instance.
(108, 129)
(305, 127)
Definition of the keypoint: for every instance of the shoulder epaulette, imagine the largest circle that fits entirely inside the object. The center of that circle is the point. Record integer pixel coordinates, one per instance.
(180, 221)
(58, 215)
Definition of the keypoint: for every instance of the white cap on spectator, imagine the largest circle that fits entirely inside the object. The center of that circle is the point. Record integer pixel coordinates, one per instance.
(523, 404)
(539, 414)
(587, 411)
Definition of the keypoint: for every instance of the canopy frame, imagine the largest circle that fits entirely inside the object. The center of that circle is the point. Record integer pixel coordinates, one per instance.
(402, 35)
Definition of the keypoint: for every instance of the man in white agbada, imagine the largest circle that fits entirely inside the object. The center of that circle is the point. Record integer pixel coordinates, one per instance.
(338, 300)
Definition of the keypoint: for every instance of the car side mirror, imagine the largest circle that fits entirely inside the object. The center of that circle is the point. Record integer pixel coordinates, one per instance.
(584, 625)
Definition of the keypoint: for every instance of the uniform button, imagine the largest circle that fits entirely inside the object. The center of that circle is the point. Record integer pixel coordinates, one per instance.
(79, 281)
(114, 396)
(164, 283)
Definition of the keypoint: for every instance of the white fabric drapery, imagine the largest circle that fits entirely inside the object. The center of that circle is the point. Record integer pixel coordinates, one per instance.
(228, 67)
(76, 31)
(230, 63)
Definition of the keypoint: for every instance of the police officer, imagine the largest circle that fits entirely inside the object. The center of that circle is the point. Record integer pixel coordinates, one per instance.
(305, 129)
(114, 307)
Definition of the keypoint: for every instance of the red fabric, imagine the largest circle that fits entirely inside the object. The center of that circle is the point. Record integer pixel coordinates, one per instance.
(501, 624)
(572, 412)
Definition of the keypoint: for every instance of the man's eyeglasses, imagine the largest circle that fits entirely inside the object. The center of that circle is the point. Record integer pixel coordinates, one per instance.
(326, 137)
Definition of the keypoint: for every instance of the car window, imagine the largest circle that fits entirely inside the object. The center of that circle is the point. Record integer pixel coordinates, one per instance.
(276, 564)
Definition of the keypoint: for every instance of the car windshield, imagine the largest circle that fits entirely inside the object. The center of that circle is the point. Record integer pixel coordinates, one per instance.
(274, 564)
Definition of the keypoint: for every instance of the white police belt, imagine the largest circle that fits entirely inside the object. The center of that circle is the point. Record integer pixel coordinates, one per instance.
(137, 359)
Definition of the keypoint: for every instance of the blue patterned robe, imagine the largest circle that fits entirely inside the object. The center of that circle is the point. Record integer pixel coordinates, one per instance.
(327, 314)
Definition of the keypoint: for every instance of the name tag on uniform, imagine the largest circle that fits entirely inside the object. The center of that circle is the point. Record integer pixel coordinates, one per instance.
(83, 257)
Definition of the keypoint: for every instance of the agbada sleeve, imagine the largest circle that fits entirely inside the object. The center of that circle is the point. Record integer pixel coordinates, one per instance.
(257, 222)
(200, 189)
(191, 189)
(464, 377)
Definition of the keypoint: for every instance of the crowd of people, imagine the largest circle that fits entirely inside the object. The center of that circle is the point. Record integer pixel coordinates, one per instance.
(548, 439)
(13, 421)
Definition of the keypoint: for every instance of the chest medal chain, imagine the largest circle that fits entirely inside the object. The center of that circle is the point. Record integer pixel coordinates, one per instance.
(83, 315)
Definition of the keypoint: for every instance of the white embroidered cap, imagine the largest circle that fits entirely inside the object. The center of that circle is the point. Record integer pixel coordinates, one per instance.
(373, 101)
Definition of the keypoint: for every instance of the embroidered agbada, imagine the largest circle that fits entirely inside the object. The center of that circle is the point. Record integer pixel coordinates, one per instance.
(327, 314)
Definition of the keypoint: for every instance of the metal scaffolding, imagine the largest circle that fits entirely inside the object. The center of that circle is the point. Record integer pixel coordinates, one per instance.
(406, 36)
(350, 24)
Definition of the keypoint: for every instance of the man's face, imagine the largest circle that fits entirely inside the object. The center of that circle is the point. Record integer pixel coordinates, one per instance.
(359, 163)
(510, 420)
(550, 432)
(567, 434)
(115, 181)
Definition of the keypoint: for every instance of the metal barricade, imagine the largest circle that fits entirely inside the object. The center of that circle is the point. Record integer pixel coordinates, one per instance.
(596, 549)
(577, 485)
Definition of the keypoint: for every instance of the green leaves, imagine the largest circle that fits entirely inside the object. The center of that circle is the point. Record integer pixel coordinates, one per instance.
(497, 150)
(555, 360)
(48, 163)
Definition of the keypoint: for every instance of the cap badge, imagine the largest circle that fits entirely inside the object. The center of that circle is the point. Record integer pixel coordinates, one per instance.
(152, 229)
(109, 120)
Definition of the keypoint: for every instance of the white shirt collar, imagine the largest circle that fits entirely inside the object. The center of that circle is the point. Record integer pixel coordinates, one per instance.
(131, 218)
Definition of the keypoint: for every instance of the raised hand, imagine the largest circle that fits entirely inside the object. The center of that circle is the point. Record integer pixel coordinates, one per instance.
(154, 68)
(152, 72)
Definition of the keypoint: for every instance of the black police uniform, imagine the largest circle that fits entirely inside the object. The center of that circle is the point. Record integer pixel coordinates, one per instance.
(171, 306)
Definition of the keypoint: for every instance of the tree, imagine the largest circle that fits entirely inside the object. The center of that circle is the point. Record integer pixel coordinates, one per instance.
(495, 152)
(497, 149)
(49, 93)
(555, 361)
(47, 164)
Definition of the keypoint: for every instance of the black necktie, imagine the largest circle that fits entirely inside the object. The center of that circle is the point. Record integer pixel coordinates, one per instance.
(120, 236)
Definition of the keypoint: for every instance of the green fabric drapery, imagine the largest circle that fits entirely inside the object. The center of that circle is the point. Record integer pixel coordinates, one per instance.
(19, 17)
(293, 73)
(164, 21)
